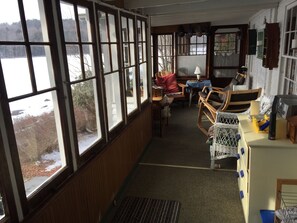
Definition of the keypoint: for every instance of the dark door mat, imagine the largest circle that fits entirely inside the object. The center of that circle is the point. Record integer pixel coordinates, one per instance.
(147, 210)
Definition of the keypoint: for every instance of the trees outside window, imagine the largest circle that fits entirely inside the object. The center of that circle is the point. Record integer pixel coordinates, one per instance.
(129, 65)
(142, 59)
(81, 76)
(32, 96)
(165, 53)
(110, 66)
(54, 94)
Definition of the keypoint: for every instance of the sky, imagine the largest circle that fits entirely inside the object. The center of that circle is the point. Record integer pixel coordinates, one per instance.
(9, 10)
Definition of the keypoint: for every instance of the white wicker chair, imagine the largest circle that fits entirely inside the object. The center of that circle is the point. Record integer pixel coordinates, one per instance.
(225, 137)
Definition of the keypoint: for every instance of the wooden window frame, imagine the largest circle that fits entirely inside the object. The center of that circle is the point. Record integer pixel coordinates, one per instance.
(184, 45)
(29, 204)
(11, 170)
(114, 131)
(97, 146)
(130, 65)
(8, 200)
(143, 41)
(156, 51)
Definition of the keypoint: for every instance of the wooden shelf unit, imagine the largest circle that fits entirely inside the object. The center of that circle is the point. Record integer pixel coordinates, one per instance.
(271, 45)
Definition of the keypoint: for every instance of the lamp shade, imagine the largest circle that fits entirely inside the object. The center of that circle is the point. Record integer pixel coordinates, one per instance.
(197, 70)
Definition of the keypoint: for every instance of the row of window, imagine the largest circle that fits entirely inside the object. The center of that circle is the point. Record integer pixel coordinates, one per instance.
(226, 50)
(289, 55)
(72, 76)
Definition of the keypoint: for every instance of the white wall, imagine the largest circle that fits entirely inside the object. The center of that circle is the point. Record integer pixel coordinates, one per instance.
(260, 76)
(270, 80)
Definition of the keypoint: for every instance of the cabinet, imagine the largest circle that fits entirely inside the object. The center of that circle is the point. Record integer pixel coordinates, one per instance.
(260, 163)
(271, 45)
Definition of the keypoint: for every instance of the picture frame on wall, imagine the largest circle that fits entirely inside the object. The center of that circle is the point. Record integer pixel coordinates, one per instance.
(260, 44)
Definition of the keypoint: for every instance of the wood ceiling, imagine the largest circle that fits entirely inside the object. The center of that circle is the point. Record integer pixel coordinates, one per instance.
(218, 12)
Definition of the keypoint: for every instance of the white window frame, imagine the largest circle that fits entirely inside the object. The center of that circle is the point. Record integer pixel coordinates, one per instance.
(289, 55)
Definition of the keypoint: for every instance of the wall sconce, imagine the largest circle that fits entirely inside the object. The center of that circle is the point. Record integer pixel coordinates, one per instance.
(197, 72)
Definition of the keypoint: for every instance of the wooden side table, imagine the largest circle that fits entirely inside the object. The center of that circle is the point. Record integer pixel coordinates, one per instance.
(158, 105)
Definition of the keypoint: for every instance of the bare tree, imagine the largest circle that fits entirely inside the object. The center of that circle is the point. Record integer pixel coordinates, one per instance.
(165, 54)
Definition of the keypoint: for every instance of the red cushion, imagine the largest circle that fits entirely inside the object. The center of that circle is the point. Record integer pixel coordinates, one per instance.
(168, 82)
(171, 83)
(160, 81)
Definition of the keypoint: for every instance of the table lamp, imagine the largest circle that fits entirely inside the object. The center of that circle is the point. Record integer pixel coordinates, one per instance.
(197, 72)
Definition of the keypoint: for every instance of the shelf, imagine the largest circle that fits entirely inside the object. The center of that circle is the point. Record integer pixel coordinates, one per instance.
(271, 42)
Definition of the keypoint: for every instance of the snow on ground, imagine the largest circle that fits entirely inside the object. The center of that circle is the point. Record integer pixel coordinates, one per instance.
(55, 157)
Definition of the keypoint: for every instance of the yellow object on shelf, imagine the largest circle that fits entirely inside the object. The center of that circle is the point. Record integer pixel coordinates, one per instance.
(258, 122)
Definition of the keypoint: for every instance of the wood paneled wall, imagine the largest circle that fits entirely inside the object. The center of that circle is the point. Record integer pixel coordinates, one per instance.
(86, 197)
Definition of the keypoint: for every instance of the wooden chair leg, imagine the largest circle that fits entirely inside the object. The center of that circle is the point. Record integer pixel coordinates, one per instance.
(200, 114)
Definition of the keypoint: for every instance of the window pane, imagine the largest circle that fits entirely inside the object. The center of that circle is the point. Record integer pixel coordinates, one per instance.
(143, 31)
(126, 54)
(140, 52)
(225, 43)
(112, 30)
(86, 114)
(10, 26)
(84, 24)
(74, 63)
(34, 20)
(139, 30)
(143, 82)
(144, 51)
(114, 55)
(69, 25)
(105, 58)
(225, 72)
(10, 56)
(131, 30)
(103, 26)
(124, 29)
(2, 212)
(225, 59)
(43, 68)
(193, 39)
(88, 60)
(132, 53)
(37, 127)
(113, 99)
(131, 89)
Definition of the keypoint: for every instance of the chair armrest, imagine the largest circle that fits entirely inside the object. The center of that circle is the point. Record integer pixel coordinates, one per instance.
(209, 106)
(214, 92)
(183, 87)
(206, 89)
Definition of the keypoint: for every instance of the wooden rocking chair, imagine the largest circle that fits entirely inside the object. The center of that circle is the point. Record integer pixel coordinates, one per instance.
(231, 101)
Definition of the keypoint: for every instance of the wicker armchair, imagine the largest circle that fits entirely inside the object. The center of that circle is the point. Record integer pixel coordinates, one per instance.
(225, 137)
